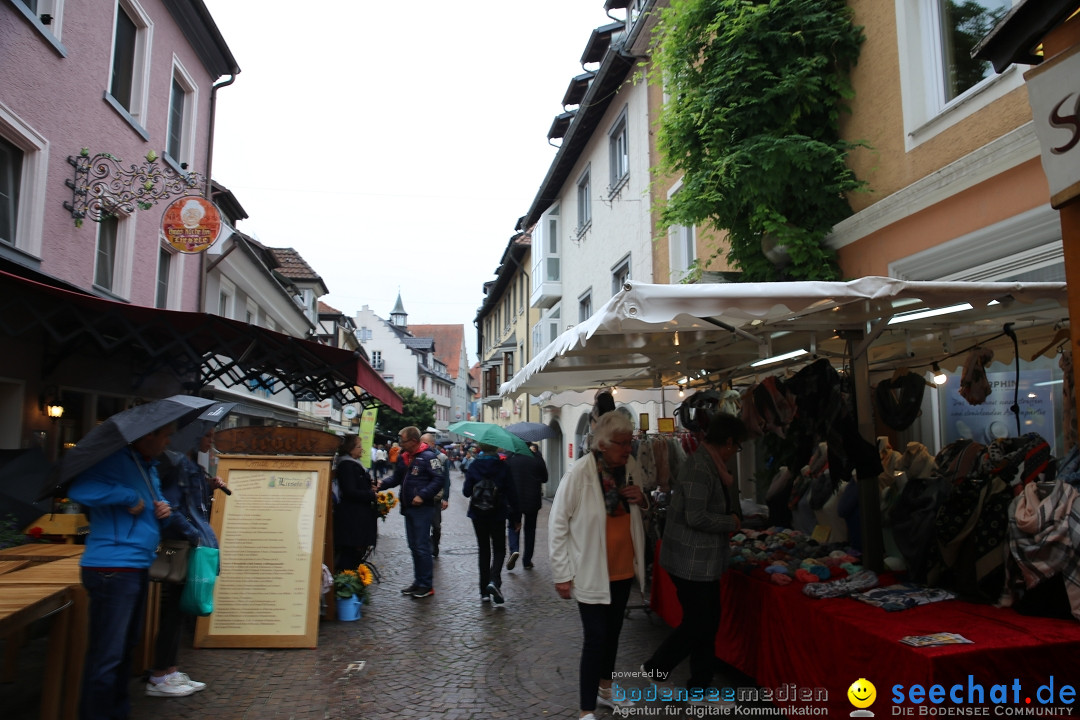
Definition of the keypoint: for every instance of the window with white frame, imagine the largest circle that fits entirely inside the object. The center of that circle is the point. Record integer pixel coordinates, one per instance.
(545, 331)
(585, 306)
(682, 244)
(130, 69)
(940, 83)
(618, 153)
(10, 180)
(105, 253)
(365, 334)
(376, 359)
(546, 249)
(113, 254)
(164, 277)
(962, 26)
(47, 16)
(225, 300)
(620, 274)
(183, 97)
(23, 169)
(584, 202)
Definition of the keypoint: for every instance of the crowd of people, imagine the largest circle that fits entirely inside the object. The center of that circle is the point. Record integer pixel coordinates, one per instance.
(597, 541)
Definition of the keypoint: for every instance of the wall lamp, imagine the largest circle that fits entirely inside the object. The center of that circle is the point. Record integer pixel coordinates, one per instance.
(50, 403)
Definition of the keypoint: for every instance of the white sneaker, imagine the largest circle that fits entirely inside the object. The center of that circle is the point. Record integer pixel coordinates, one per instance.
(169, 688)
(184, 679)
(603, 697)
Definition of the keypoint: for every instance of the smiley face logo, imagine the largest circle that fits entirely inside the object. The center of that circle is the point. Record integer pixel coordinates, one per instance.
(862, 693)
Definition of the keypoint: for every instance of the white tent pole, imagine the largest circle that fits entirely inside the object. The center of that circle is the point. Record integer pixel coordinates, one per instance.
(873, 546)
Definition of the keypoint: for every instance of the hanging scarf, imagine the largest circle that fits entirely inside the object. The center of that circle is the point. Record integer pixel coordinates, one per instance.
(611, 479)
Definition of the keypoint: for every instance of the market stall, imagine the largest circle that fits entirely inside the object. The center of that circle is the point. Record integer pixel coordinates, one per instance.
(871, 331)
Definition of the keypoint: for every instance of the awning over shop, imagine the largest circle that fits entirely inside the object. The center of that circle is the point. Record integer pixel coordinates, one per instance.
(653, 336)
(197, 347)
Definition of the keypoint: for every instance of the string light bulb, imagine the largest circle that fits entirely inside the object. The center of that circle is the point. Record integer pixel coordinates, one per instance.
(940, 378)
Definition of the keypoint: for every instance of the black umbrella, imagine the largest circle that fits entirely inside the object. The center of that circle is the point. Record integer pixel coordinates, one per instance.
(117, 431)
(184, 439)
(531, 431)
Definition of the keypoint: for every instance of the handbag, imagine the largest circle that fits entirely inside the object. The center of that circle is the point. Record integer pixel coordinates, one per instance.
(198, 595)
(171, 563)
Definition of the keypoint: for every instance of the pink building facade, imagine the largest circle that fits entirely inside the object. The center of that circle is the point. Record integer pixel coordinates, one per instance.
(124, 77)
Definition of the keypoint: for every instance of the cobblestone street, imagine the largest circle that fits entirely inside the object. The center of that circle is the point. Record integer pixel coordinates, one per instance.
(448, 656)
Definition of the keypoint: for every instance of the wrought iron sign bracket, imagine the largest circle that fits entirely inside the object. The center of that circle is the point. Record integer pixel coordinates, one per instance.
(103, 187)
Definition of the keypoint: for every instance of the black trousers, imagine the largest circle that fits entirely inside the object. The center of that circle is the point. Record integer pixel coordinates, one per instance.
(696, 635)
(492, 544)
(170, 626)
(601, 625)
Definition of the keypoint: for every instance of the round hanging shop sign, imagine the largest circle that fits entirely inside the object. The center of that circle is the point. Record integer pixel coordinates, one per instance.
(191, 224)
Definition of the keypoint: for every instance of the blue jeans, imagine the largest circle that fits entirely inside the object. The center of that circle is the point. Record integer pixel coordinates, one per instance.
(529, 526)
(117, 610)
(418, 534)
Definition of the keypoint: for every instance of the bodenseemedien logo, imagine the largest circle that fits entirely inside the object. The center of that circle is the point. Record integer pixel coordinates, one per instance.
(862, 694)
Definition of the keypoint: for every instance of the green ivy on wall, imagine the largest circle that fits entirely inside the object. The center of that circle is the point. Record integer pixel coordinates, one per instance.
(755, 90)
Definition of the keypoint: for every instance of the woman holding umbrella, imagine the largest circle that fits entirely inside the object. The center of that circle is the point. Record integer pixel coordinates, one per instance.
(113, 472)
(126, 507)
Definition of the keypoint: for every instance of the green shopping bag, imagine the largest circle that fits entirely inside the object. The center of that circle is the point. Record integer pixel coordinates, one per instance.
(198, 595)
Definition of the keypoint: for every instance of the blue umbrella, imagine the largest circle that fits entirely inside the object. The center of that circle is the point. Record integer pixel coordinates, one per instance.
(117, 431)
(491, 434)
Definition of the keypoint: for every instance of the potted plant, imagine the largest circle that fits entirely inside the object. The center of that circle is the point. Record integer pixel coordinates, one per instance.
(350, 591)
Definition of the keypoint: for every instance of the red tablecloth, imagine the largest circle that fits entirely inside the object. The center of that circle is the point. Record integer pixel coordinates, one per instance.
(780, 637)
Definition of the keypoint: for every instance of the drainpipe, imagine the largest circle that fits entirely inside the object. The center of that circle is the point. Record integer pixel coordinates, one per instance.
(209, 173)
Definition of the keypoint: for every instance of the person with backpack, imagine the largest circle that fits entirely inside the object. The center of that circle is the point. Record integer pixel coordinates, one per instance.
(492, 499)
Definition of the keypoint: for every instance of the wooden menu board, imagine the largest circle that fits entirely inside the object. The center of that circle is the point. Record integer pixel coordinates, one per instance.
(271, 532)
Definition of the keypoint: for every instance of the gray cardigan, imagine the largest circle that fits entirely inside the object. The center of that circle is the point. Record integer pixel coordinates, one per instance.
(699, 520)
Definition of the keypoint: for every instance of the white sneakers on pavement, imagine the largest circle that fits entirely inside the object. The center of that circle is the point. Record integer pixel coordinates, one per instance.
(177, 684)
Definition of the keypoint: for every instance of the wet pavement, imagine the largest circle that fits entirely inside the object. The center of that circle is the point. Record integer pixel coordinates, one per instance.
(448, 656)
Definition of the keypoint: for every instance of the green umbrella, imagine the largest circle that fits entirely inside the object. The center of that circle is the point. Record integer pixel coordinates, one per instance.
(490, 434)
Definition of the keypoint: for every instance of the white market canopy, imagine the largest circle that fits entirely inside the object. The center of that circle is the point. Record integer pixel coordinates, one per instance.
(654, 336)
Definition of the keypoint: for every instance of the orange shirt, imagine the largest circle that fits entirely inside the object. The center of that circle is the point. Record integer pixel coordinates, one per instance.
(392, 455)
(620, 546)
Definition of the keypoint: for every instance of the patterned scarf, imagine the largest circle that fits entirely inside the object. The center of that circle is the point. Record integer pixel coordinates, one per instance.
(611, 479)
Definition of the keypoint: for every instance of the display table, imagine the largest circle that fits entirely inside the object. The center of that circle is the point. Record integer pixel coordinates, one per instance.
(22, 604)
(780, 637)
(67, 639)
(42, 552)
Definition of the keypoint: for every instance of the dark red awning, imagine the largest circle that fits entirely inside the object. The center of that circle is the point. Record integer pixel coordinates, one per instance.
(196, 347)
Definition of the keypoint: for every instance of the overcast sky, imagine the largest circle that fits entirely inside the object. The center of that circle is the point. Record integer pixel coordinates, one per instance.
(395, 145)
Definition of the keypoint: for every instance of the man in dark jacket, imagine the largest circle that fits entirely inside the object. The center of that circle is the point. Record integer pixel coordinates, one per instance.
(529, 473)
(421, 480)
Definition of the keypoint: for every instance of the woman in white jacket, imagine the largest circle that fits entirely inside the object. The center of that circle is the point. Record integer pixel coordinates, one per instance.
(597, 548)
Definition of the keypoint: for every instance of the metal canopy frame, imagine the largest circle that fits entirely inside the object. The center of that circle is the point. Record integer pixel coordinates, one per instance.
(197, 348)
